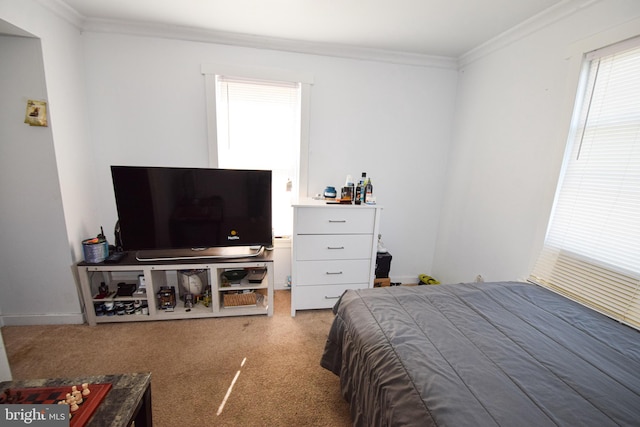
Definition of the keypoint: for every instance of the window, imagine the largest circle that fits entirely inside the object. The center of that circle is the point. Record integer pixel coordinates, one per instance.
(259, 128)
(258, 120)
(592, 247)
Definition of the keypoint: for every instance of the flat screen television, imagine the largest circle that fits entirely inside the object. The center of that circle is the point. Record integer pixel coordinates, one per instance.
(178, 213)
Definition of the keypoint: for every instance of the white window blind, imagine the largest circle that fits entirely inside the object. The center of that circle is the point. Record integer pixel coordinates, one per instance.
(592, 248)
(258, 126)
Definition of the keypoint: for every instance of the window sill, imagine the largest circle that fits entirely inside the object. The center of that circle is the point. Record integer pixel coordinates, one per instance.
(282, 242)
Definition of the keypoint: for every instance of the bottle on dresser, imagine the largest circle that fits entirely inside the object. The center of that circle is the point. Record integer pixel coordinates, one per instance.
(368, 191)
(363, 194)
(360, 189)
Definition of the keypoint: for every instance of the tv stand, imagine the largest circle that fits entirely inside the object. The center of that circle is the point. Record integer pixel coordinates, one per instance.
(228, 252)
(217, 291)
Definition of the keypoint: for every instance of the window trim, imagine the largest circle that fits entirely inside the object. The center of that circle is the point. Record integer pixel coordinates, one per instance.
(260, 73)
(574, 55)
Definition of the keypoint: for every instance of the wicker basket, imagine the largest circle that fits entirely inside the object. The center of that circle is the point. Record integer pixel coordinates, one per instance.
(234, 300)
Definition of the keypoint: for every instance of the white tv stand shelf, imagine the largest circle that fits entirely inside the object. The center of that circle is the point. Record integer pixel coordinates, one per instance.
(158, 274)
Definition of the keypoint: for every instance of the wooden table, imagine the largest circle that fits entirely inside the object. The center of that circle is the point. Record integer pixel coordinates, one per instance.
(128, 400)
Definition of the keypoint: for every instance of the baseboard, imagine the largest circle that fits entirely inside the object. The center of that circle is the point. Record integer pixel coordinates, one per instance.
(42, 319)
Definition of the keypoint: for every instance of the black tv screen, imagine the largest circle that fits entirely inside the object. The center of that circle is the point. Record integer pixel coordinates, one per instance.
(169, 208)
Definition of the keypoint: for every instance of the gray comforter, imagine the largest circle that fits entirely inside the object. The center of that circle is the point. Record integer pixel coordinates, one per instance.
(481, 354)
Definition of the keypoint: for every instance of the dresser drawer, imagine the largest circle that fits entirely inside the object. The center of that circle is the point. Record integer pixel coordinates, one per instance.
(332, 272)
(334, 220)
(339, 246)
(334, 249)
(326, 296)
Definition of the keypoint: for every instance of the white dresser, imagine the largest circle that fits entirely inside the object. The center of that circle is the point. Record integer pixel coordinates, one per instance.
(334, 249)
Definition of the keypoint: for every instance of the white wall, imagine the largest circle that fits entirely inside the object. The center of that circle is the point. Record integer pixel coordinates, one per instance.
(34, 255)
(147, 107)
(512, 118)
(47, 209)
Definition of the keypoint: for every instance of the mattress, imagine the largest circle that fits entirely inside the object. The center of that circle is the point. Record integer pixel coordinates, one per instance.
(481, 354)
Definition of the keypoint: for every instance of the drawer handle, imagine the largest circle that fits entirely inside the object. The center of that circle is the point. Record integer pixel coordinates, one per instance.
(337, 220)
(335, 247)
(334, 272)
(327, 297)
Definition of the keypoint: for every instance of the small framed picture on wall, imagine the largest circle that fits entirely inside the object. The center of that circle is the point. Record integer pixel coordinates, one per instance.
(36, 114)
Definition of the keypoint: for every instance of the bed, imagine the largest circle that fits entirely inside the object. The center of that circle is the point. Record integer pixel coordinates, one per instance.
(481, 354)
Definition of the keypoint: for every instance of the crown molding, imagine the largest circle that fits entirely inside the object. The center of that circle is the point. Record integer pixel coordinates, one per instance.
(261, 42)
(64, 11)
(142, 29)
(535, 23)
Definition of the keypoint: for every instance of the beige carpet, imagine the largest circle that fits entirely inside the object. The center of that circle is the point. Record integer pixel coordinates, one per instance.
(193, 363)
